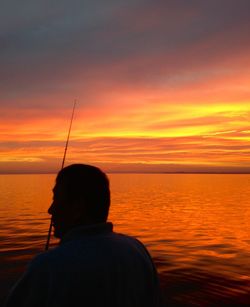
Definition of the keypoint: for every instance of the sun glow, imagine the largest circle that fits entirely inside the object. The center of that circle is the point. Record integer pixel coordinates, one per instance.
(161, 134)
(162, 93)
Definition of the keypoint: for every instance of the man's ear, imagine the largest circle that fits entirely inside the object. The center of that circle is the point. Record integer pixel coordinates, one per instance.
(77, 211)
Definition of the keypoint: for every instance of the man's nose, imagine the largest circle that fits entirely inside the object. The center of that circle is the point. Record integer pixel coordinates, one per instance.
(51, 209)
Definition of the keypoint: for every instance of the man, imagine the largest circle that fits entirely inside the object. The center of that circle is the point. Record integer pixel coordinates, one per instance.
(92, 266)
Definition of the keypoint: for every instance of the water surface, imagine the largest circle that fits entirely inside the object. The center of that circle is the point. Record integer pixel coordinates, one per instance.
(196, 227)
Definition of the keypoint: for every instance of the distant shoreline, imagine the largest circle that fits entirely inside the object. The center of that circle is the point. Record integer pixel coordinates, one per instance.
(134, 172)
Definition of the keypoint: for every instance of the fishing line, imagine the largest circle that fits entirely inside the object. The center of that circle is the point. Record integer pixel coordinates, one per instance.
(64, 156)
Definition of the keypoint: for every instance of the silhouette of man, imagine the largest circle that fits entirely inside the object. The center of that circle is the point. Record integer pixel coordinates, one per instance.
(92, 266)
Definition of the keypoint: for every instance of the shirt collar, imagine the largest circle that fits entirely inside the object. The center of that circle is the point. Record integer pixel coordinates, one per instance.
(81, 231)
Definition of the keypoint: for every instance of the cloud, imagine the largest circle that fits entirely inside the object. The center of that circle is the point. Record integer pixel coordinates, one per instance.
(183, 150)
(156, 80)
(50, 48)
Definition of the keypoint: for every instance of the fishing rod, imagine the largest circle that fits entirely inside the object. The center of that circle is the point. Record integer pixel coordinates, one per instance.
(64, 156)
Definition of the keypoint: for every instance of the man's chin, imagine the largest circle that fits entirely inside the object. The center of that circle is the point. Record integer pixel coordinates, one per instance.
(58, 234)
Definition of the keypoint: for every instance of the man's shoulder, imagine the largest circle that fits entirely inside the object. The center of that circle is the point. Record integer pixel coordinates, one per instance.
(45, 259)
(127, 238)
(130, 243)
(90, 247)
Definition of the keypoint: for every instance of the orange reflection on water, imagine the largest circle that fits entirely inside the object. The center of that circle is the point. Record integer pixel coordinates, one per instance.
(198, 221)
(195, 226)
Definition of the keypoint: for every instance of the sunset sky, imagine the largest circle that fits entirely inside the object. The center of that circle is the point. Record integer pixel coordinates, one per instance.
(161, 85)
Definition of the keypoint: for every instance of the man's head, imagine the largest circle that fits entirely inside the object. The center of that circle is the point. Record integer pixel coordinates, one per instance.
(81, 197)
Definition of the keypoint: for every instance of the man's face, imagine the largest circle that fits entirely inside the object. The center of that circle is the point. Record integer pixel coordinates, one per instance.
(61, 212)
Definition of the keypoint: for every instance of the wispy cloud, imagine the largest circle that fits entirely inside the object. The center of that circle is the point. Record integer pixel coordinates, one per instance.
(157, 82)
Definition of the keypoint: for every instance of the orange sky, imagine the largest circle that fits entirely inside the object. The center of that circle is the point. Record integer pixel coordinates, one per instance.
(158, 88)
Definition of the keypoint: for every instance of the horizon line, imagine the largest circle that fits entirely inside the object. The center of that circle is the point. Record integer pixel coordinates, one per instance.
(135, 172)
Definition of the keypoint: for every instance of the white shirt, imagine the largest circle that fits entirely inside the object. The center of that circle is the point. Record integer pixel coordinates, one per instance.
(93, 266)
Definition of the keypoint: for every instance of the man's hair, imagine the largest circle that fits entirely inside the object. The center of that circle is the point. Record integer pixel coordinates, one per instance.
(89, 186)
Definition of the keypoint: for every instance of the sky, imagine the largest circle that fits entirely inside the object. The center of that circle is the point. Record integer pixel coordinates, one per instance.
(161, 86)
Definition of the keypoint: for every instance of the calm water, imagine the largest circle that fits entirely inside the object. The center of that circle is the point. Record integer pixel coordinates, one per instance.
(195, 226)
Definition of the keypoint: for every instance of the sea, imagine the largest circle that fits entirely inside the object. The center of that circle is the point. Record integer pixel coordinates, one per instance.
(195, 226)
